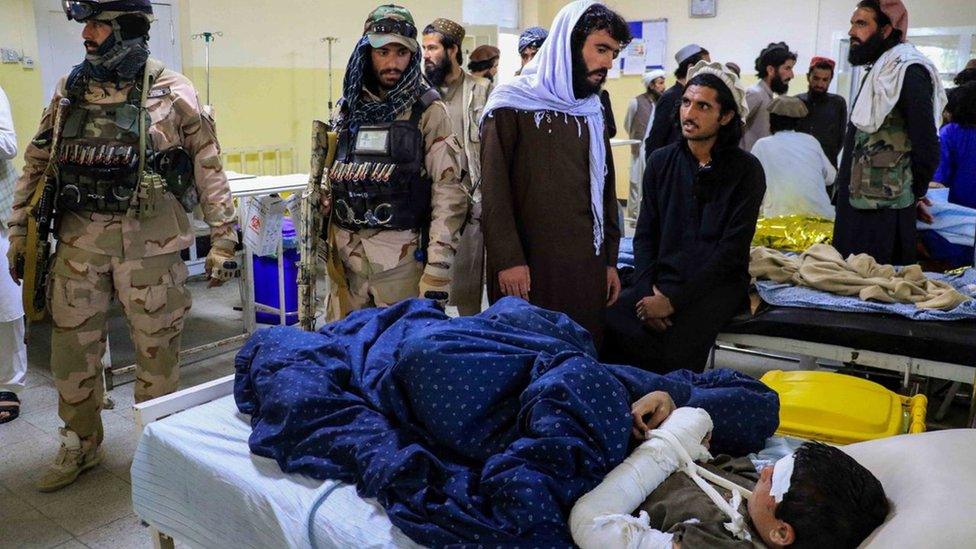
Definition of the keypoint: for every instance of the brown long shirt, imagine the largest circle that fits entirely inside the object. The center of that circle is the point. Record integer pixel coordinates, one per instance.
(536, 188)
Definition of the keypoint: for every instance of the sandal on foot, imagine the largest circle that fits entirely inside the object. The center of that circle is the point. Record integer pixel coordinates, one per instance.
(12, 410)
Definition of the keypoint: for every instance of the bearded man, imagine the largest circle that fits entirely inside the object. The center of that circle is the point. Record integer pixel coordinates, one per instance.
(465, 96)
(891, 150)
(774, 67)
(550, 208)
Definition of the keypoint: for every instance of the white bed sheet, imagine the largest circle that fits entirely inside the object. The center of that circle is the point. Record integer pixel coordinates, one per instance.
(193, 477)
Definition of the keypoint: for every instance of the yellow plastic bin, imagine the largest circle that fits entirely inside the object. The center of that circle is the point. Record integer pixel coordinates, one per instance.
(841, 409)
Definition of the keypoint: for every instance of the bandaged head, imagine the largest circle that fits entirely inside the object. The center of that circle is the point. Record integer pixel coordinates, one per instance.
(782, 475)
(728, 78)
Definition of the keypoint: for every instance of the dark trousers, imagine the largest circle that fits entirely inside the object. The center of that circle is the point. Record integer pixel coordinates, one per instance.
(685, 345)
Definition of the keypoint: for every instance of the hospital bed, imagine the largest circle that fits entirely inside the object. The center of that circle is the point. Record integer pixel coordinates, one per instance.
(195, 480)
(940, 350)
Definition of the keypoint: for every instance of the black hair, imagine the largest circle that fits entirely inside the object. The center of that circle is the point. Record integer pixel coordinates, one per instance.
(822, 65)
(966, 75)
(775, 55)
(447, 42)
(596, 18)
(484, 64)
(881, 19)
(964, 104)
(682, 71)
(780, 123)
(833, 500)
(730, 134)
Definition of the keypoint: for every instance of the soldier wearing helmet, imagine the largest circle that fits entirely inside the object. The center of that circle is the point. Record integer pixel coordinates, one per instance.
(131, 151)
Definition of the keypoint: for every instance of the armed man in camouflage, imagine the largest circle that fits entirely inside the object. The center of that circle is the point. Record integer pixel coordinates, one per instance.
(397, 202)
(121, 213)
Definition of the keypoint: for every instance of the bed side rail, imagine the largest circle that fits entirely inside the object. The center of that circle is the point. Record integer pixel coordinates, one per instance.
(158, 408)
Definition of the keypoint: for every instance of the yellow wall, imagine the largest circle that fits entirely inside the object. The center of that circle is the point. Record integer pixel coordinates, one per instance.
(22, 86)
(269, 69)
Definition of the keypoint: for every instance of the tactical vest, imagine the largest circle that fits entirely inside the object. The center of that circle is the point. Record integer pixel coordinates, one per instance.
(881, 173)
(98, 158)
(379, 180)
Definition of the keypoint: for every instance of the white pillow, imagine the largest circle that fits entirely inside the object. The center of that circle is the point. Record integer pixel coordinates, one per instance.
(930, 479)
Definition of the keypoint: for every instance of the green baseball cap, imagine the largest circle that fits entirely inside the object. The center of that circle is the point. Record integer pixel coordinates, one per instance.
(389, 24)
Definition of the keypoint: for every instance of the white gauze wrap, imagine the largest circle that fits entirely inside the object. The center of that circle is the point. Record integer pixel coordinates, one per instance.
(602, 518)
(782, 473)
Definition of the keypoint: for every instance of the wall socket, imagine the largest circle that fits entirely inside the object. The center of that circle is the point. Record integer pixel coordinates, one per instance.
(28, 62)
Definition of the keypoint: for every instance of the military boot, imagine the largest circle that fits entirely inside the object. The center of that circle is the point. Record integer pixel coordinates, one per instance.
(74, 457)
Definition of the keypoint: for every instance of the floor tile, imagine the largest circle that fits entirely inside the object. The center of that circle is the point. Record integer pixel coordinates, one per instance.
(124, 533)
(32, 530)
(20, 430)
(96, 499)
(12, 506)
(45, 419)
(23, 463)
(72, 544)
(35, 378)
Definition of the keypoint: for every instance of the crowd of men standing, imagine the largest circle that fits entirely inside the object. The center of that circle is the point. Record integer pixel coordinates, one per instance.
(445, 184)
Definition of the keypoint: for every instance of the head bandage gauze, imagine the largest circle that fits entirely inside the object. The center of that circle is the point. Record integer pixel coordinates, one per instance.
(782, 473)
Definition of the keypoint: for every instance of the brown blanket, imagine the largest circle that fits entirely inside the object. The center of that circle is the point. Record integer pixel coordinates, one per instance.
(822, 267)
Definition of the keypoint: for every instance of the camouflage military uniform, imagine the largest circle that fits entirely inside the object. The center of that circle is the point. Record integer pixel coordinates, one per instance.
(466, 101)
(371, 267)
(101, 256)
(882, 174)
(380, 266)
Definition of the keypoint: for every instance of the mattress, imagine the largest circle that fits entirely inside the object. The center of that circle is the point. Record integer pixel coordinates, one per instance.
(951, 342)
(194, 478)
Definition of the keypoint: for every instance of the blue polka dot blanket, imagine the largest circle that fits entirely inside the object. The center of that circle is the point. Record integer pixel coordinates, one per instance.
(468, 431)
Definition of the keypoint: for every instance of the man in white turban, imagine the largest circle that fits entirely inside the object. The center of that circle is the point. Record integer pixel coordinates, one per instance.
(637, 124)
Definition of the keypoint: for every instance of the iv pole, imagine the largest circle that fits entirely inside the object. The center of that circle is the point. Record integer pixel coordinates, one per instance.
(330, 40)
(208, 37)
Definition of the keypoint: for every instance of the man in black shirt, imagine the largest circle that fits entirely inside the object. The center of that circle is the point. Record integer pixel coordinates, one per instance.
(891, 150)
(698, 216)
(827, 119)
(665, 130)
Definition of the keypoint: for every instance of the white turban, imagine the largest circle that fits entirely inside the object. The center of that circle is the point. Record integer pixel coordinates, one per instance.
(653, 75)
(728, 77)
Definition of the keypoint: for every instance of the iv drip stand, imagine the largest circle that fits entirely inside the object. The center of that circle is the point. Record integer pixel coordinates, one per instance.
(331, 40)
(208, 38)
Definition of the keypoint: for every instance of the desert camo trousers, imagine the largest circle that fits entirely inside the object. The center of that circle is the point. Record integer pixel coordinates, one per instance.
(154, 299)
(379, 267)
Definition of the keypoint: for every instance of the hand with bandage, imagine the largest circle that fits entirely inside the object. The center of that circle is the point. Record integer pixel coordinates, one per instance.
(222, 264)
(603, 517)
(650, 411)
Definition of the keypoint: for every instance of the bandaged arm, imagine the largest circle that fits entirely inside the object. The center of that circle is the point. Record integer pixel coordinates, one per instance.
(602, 518)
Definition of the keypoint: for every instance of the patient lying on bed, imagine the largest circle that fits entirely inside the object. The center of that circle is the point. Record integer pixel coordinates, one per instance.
(660, 498)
